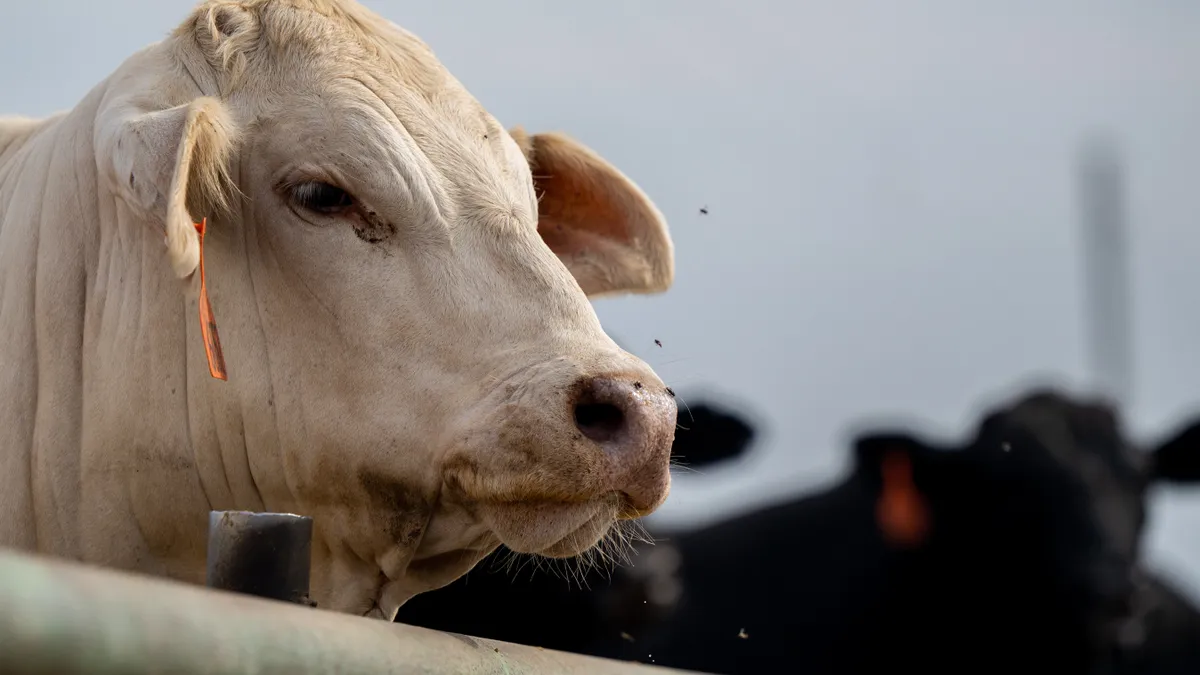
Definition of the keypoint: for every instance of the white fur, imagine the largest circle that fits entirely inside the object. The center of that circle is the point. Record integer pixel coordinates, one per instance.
(411, 393)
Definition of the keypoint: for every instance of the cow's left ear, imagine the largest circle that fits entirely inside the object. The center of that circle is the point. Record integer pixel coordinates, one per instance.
(170, 166)
(708, 436)
(902, 512)
(602, 226)
(1177, 459)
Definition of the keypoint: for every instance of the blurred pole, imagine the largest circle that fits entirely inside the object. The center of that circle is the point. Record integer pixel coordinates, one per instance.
(1106, 271)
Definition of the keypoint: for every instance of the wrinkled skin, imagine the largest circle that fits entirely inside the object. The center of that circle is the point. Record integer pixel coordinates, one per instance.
(401, 288)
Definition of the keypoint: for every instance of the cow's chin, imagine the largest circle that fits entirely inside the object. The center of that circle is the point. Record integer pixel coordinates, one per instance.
(550, 529)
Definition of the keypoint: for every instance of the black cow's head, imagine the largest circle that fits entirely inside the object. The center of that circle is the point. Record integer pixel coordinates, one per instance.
(1050, 493)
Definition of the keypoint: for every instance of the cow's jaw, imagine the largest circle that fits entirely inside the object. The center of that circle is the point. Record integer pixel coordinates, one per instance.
(438, 563)
(454, 540)
(550, 529)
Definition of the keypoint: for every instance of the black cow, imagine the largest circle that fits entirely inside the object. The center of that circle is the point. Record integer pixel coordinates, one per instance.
(569, 607)
(1015, 552)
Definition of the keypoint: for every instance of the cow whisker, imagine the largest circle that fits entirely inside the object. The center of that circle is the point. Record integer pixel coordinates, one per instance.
(682, 466)
(685, 407)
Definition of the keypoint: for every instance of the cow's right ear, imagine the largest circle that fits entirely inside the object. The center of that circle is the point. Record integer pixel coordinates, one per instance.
(1177, 459)
(171, 167)
(601, 225)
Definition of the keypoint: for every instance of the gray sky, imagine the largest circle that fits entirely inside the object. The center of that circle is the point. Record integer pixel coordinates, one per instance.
(892, 226)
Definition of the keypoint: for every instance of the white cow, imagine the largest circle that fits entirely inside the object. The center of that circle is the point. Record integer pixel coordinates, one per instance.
(401, 289)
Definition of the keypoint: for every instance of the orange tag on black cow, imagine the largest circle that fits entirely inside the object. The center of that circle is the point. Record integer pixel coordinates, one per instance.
(901, 512)
(208, 323)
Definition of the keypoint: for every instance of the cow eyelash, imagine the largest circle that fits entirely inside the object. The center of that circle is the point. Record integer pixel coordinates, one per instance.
(321, 197)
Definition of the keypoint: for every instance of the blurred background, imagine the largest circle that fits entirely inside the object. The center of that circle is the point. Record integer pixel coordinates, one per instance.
(895, 218)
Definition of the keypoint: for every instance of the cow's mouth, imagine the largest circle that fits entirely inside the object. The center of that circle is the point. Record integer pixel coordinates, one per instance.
(550, 529)
(586, 536)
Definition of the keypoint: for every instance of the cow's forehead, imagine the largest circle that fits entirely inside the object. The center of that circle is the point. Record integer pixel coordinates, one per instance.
(282, 56)
(265, 49)
(309, 32)
(1071, 430)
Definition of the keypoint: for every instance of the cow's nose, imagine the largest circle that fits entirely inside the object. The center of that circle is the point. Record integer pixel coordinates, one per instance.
(634, 423)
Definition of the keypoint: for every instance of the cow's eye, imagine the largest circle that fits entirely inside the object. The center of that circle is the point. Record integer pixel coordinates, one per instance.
(321, 197)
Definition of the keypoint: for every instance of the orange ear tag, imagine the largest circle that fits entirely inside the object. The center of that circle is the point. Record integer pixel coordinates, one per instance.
(208, 323)
(902, 514)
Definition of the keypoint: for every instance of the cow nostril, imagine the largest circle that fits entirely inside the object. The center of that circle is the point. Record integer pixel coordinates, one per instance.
(599, 421)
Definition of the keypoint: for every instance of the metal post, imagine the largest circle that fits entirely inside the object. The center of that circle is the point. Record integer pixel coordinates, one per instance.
(263, 554)
(1107, 292)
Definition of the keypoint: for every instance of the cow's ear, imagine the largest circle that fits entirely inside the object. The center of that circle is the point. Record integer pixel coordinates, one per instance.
(1177, 459)
(601, 225)
(709, 436)
(171, 167)
(902, 512)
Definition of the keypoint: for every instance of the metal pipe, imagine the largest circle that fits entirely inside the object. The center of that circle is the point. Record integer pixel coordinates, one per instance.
(263, 554)
(65, 618)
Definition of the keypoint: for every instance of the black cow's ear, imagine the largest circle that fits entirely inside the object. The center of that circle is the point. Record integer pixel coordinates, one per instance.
(709, 435)
(1177, 460)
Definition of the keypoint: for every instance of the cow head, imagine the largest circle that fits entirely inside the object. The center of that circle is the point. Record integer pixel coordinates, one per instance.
(401, 287)
(1049, 490)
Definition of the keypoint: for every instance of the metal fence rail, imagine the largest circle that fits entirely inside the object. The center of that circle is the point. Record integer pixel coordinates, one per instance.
(65, 618)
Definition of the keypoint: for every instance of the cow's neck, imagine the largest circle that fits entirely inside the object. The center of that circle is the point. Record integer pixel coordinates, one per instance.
(94, 467)
(48, 216)
(164, 451)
